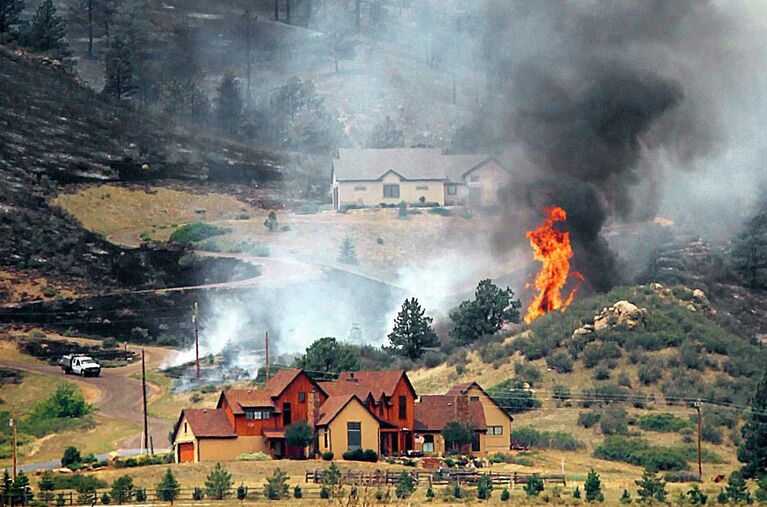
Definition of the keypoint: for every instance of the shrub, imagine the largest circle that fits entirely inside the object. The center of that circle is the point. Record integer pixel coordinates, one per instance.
(298, 434)
(122, 489)
(168, 488)
(680, 476)
(737, 489)
(561, 362)
(254, 456)
(298, 492)
(624, 379)
(561, 393)
(601, 373)
(651, 488)
(534, 485)
(484, 487)
(197, 231)
(625, 497)
(71, 457)
(594, 353)
(696, 496)
(327, 456)
(219, 483)
(361, 455)
(406, 485)
(505, 495)
(513, 398)
(638, 452)
(324, 493)
(614, 421)
(105, 498)
(711, 433)
(443, 212)
(651, 371)
(429, 493)
(663, 422)
(433, 358)
(198, 494)
(530, 437)
(589, 419)
(276, 487)
(577, 493)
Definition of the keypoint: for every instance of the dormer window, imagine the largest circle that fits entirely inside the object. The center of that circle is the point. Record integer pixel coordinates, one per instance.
(258, 414)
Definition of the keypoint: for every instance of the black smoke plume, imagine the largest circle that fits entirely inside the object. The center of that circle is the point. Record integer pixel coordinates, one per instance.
(588, 88)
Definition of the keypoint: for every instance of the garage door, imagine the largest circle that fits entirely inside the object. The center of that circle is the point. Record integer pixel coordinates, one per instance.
(186, 453)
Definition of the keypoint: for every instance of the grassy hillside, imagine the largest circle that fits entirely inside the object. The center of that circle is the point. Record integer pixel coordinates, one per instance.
(629, 384)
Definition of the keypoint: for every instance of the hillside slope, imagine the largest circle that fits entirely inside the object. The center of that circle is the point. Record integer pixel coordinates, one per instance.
(48, 138)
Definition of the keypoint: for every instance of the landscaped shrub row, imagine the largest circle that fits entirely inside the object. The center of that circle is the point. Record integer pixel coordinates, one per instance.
(361, 455)
(638, 451)
(530, 437)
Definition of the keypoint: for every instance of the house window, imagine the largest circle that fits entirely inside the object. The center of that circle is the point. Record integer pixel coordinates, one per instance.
(258, 415)
(475, 442)
(354, 435)
(428, 443)
(452, 189)
(360, 189)
(186, 428)
(391, 191)
(403, 407)
(422, 187)
(286, 416)
(474, 179)
(473, 398)
(325, 435)
(495, 430)
(380, 409)
(301, 397)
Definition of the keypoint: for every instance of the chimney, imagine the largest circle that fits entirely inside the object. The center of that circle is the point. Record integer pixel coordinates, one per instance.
(462, 409)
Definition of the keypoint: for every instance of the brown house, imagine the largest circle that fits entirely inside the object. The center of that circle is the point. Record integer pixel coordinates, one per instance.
(387, 394)
(369, 410)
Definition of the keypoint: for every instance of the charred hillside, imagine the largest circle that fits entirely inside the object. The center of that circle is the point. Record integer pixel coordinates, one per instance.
(54, 130)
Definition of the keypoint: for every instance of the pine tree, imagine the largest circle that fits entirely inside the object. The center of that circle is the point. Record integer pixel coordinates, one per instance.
(46, 486)
(737, 489)
(21, 492)
(348, 253)
(651, 487)
(229, 104)
(10, 13)
(412, 331)
(593, 488)
(276, 487)
(47, 32)
(386, 135)
(7, 486)
(122, 489)
(219, 483)
(491, 308)
(168, 488)
(753, 449)
(119, 80)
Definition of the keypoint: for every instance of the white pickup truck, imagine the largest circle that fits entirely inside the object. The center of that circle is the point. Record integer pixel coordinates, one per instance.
(80, 365)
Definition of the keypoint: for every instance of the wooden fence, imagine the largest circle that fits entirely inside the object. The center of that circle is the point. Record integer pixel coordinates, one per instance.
(467, 477)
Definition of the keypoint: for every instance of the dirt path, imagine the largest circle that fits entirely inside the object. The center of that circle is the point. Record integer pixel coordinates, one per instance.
(117, 395)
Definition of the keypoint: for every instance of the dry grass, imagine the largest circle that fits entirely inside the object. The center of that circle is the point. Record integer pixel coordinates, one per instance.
(109, 209)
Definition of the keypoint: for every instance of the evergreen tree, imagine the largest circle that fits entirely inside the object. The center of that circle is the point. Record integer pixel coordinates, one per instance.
(593, 488)
(348, 254)
(219, 483)
(696, 496)
(737, 489)
(491, 308)
(386, 135)
(119, 80)
(168, 488)
(328, 355)
(229, 104)
(10, 15)
(299, 434)
(412, 331)
(46, 486)
(7, 486)
(122, 489)
(276, 487)
(534, 485)
(47, 32)
(406, 485)
(577, 492)
(457, 435)
(484, 487)
(21, 492)
(242, 492)
(749, 253)
(625, 497)
(753, 449)
(651, 487)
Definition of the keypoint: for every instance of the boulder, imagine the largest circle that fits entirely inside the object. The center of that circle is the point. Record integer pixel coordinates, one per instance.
(622, 314)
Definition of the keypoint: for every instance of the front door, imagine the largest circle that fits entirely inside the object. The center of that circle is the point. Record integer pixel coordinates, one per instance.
(277, 449)
(475, 196)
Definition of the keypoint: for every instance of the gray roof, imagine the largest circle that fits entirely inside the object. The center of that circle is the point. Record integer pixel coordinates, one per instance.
(409, 163)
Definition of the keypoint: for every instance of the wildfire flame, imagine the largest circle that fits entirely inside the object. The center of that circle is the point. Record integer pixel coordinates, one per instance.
(552, 248)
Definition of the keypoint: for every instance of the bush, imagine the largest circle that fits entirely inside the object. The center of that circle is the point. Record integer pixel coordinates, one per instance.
(406, 485)
(276, 487)
(614, 421)
(198, 494)
(254, 456)
(589, 419)
(530, 437)
(361, 455)
(78, 482)
(711, 433)
(505, 495)
(595, 353)
(561, 362)
(680, 476)
(197, 231)
(324, 493)
(484, 487)
(433, 358)
(327, 456)
(663, 422)
(122, 489)
(443, 212)
(534, 485)
(624, 380)
(71, 457)
(651, 371)
(593, 488)
(513, 398)
(561, 393)
(602, 373)
(638, 452)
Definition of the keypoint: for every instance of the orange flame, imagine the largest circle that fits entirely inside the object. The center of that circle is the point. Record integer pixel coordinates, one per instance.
(552, 248)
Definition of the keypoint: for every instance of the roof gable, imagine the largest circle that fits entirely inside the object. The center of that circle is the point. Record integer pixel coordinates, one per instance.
(462, 389)
(206, 423)
(433, 412)
(375, 383)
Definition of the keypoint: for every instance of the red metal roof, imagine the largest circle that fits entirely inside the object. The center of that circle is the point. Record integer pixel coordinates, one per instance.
(209, 423)
(332, 406)
(433, 412)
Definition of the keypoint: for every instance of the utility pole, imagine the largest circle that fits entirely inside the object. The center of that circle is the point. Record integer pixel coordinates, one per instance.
(696, 405)
(13, 426)
(267, 355)
(90, 29)
(143, 389)
(196, 341)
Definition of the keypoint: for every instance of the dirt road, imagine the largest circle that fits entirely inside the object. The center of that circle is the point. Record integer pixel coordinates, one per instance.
(118, 394)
